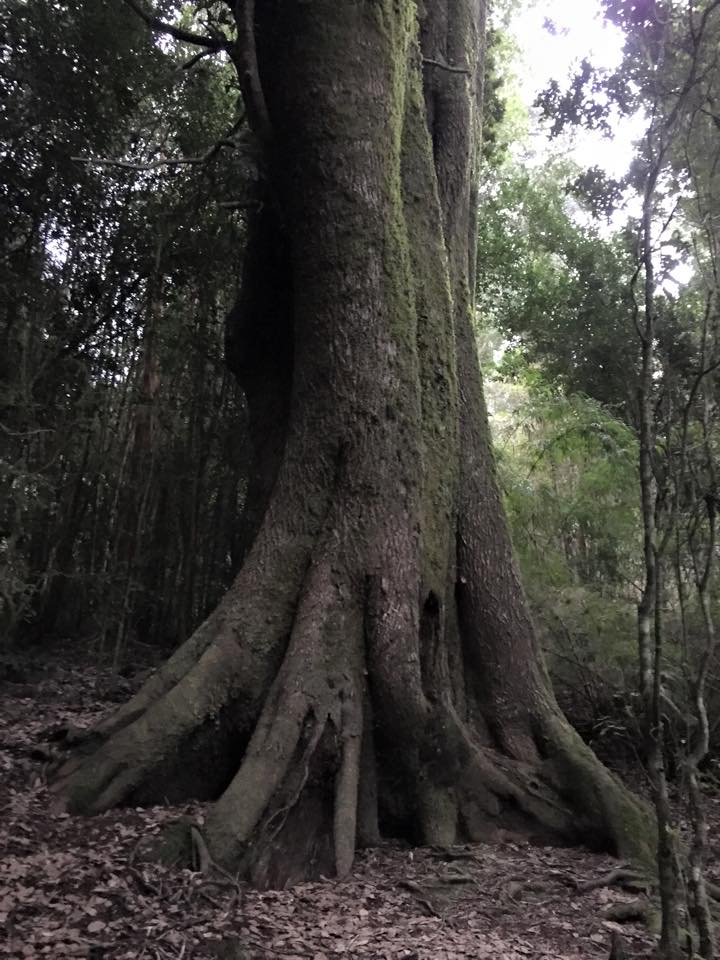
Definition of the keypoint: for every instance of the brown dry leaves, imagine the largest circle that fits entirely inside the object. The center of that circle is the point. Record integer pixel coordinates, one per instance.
(72, 887)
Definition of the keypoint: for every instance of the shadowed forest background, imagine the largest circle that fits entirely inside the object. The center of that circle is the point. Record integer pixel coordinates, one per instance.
(132, 175)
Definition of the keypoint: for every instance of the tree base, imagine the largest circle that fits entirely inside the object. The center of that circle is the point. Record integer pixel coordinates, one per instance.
(295, 799)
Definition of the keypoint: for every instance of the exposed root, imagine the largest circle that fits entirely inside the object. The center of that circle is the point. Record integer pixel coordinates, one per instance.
(492, 781)
(137, 754)
(206, 865)
(368, 827)
(300, 790)
(615, 819)
(161, 681)
(224, 668)
(256, 613)
(201, 855)
(346, 786)
(308, 738)
(623, 876)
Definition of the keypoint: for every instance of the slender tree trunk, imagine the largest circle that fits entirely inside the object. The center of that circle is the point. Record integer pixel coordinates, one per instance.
(374, 661)
(650, 622)
(703, 569)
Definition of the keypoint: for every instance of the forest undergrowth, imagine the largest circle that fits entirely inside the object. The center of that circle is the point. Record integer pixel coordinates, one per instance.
(75, 887)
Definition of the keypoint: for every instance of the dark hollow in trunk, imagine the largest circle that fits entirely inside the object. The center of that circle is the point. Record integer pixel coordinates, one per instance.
(374, 667)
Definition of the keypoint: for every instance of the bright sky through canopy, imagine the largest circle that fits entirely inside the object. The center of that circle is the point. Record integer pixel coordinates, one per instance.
(581, 32)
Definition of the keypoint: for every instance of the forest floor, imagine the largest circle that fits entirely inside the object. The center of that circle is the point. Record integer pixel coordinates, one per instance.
(73, 887)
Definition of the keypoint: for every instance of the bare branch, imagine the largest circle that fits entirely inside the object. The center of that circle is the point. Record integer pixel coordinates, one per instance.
(138, 167)
(227, 141)
(155, 164)
(185, 36)
(200, 55)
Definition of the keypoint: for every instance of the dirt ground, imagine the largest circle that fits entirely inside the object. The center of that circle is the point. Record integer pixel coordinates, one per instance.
(75, 887)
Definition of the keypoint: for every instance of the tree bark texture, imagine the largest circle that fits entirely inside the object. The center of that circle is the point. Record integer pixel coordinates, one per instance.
(373, 670)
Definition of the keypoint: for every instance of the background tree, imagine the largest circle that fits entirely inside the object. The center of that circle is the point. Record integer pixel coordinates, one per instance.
(670, 69)
(123, 466)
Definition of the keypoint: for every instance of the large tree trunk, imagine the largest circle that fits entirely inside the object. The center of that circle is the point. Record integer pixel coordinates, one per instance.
(374, 667)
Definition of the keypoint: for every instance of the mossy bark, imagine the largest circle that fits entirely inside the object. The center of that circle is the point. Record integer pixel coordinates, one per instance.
(374, 662)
